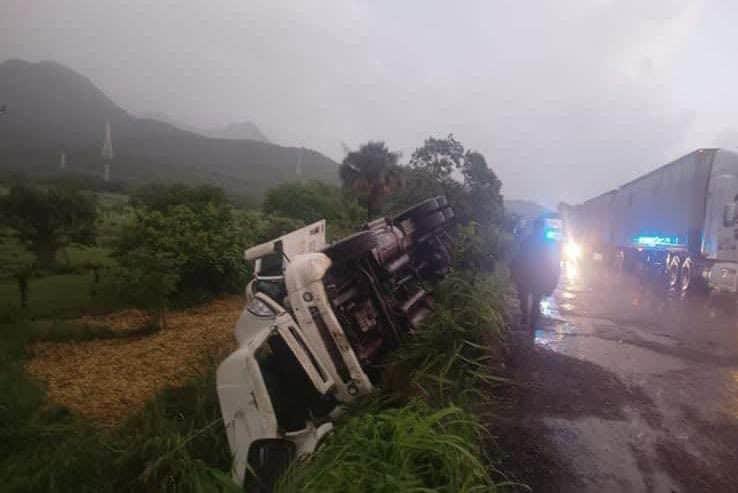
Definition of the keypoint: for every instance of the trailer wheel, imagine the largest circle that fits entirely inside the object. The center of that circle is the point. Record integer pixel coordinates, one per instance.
(685, 276)
(429, 223)
(418, 211)
(619, 262)
(673, 271)
(352, 247)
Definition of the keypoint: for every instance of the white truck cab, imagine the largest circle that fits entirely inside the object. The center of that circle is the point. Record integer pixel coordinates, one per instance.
(318, 320)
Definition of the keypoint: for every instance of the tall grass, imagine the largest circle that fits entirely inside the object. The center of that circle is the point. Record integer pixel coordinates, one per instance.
(414, 448)
(448, 359)
(178, 443)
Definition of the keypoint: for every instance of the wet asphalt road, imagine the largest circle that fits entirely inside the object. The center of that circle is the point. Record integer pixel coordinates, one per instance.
(628, 388)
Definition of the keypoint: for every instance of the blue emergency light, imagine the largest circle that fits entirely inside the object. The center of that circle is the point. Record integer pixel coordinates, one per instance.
(655, 241)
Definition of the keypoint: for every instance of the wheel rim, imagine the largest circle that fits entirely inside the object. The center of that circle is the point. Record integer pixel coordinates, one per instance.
(686, 276)
(674, 272)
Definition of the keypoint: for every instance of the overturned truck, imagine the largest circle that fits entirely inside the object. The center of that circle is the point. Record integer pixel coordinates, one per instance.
(318, 321)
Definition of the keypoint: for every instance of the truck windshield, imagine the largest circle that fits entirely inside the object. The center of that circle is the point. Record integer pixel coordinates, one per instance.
(271, 265)
(294, 398)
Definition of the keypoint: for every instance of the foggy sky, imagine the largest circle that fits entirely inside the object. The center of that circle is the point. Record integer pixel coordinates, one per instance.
(565, 98)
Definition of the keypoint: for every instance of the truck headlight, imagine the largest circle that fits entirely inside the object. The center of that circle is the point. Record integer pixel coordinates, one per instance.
(572, 251)
(260, 309)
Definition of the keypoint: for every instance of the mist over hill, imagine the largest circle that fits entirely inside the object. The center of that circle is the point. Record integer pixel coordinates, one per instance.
(524, 208)
(245, 130)
(52, 109)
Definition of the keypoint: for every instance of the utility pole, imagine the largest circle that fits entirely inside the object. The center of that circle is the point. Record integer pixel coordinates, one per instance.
(298, 167)
(107, 152)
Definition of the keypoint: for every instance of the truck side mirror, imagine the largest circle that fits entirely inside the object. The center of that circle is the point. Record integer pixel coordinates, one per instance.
(729, 214)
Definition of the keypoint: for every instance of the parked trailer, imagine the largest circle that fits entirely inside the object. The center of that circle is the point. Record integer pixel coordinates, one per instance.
(679, 218)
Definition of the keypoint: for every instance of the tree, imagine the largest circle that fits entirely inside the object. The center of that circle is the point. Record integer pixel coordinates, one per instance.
(312, 201)
(148, 278)
(47, 220)
(443, 167)
(179, 253)
(483, 188)
(17, 263)
(372, 172)
(439, 157)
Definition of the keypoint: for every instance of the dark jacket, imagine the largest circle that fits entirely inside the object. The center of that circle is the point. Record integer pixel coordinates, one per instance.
(537, 265)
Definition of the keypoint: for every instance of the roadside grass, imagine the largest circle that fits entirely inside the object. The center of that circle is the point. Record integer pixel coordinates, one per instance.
(448, 359)
(412, 448)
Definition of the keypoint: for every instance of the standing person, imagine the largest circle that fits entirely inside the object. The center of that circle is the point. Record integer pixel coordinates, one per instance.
(537, 265)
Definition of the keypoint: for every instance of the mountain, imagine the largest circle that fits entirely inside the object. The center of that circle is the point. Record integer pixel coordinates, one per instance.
(53, 109)
(525, 208)
(238, 131)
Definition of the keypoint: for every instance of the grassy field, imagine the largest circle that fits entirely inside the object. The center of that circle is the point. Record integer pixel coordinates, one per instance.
(57, 296)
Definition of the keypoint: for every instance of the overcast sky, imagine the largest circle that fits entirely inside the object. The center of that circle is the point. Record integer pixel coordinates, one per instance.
(565, 98)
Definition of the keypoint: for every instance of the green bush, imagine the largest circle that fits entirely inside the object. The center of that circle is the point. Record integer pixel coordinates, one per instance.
(185, 253)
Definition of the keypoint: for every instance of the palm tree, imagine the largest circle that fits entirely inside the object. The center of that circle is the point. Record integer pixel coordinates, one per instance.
(372, 172)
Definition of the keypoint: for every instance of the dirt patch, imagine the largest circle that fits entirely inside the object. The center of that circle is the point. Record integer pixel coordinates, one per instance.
(123, 322)
(107, 380)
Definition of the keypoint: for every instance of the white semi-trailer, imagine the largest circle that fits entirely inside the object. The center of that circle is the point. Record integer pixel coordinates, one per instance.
(679, 219)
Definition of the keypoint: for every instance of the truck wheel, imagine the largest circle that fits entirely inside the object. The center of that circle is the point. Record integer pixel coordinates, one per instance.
(416, 212)
(429, 223)
(685, 276)
(673, 272)
(352, 247)
(619, 262)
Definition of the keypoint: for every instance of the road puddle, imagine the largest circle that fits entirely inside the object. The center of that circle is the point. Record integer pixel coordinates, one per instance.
(555, 331)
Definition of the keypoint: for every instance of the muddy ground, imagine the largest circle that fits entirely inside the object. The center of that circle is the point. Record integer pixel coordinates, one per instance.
(623, 387)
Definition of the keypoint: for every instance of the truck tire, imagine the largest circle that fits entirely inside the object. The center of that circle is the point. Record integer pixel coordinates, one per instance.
(416, 212)
(352, 247)
(429, 223)
(673, 272)
(685, 277)
(691, 282)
